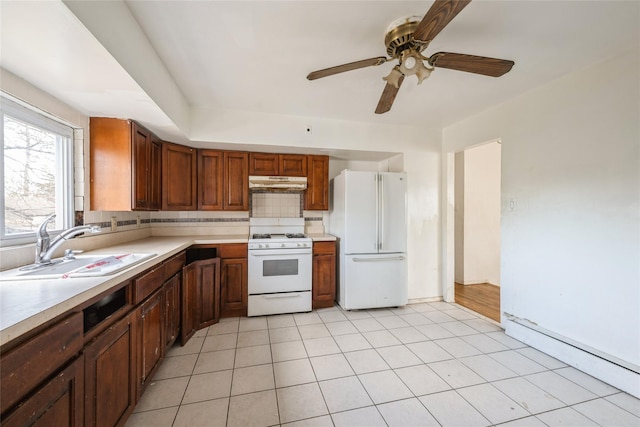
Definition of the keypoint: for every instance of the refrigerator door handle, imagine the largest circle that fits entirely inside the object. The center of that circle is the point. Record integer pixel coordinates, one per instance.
(394, 258)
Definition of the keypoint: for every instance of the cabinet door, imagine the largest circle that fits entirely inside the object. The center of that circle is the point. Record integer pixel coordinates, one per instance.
(172, 310)
(58, 402)
(293, 164)
(141, 140)
(26, 366)
(210, 180)
(317, 193)
(155, 175)
(236, 181)
(178, 177)
(233, 287)
(189, 303)
(110, 372)
(324, 280)
(150, 341)
(263, 164)
(208, 292)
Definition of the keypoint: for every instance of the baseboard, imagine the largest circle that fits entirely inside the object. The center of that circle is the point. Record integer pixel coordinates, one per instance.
(419, 300)
(597, 366)
(476, 282)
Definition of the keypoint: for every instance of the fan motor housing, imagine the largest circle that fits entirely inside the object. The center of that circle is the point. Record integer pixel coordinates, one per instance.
(399, 36)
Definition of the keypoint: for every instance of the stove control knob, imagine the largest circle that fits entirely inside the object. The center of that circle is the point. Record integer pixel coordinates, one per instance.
(282, 245)
(260, 245)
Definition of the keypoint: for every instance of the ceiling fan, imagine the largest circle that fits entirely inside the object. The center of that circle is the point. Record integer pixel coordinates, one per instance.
(405, 40)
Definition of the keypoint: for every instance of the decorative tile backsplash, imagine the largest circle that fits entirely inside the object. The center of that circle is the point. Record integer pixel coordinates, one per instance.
(276, 204)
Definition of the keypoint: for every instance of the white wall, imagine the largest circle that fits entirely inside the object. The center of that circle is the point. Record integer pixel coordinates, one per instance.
(570, 245)
(481, 250)
(459, 217)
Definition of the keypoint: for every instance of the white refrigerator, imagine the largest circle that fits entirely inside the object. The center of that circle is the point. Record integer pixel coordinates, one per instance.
(369, 216)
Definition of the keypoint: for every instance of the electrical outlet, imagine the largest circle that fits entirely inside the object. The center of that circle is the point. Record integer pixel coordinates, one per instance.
(138, 221)
(114, 223)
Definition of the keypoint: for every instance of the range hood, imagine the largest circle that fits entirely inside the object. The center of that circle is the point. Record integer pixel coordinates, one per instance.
(278, 182)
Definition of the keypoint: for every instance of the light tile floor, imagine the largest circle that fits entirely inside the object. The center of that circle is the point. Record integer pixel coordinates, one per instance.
(427, 364)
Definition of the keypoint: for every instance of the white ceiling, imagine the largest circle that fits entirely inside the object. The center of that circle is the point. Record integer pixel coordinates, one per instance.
(254, 55)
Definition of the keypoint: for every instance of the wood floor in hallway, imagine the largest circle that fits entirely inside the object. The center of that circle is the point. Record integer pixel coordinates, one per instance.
(483, 298)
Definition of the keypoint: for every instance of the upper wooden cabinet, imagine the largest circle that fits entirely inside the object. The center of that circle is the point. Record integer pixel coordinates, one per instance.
(236, 181)
(292, 164)
(210, 180)
(124, 166)
(316, 196)
(178, 178)
(223, 180)
(277, 164)
(263, 164)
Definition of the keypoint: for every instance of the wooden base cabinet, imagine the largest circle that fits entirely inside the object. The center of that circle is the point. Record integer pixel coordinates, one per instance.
(150, 340)
(110, 372)
(171, 297)
(324, 274)
(233, 280)
(200, 296)
(59, 402)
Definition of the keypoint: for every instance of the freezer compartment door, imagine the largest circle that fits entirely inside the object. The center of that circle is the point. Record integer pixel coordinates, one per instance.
(361, 213)
(393, 212)
(373, 281)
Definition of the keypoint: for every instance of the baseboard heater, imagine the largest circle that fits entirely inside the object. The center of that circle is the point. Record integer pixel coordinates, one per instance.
(580, 346)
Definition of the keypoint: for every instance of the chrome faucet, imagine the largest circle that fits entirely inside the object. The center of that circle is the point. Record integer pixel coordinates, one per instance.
(45, 247)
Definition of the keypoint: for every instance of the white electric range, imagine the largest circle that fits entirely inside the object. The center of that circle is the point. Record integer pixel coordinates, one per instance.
(280, 259)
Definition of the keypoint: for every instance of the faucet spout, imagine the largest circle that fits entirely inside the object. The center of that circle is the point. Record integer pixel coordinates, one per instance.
(45, 247)
(43, 240)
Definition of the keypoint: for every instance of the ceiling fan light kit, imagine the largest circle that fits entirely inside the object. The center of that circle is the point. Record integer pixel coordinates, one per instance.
(405, 40)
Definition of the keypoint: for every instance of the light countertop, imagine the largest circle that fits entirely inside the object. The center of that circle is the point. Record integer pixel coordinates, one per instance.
(26, 304)
(322, 237)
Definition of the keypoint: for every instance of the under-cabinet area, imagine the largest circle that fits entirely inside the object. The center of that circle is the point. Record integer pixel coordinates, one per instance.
(92, 363)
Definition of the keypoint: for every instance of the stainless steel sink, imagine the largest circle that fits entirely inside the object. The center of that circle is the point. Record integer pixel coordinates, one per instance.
(80, 266)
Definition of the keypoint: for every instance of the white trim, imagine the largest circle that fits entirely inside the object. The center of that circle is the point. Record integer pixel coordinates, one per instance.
(595, 365)
(64, 153)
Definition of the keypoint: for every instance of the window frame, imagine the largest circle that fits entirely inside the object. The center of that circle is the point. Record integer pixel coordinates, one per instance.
(64, 179)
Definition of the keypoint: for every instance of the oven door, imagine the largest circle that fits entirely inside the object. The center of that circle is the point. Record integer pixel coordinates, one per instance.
(279, 270)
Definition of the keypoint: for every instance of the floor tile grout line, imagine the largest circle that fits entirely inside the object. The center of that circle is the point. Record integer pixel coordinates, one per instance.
(427, 339)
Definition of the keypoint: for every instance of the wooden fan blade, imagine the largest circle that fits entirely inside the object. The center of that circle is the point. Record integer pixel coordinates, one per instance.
(346, 67)
(472, 64)
(388, 96)
(440, 14)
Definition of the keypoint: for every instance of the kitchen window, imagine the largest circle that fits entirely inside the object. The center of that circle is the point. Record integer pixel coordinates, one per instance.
(37, 172)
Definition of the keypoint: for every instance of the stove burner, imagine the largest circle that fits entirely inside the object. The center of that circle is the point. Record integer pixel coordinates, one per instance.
(294, 236)
(261, 236)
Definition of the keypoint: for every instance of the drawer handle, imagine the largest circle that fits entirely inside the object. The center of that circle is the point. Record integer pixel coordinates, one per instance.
(280, 296)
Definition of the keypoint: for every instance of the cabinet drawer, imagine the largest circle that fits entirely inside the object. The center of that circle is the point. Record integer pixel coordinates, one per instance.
(324, 248)
(173, 265)
(27, 365)
(147, 284)
(233, 251)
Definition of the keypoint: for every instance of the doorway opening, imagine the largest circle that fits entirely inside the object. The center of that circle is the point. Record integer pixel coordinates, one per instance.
(477, 228)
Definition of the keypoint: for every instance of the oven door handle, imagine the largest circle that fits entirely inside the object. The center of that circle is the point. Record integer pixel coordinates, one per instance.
(280, 252)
